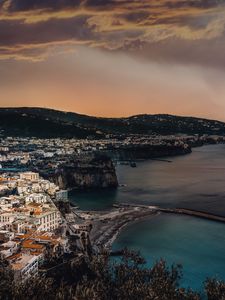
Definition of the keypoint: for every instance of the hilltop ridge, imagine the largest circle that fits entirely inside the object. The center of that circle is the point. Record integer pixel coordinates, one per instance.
(44, 122)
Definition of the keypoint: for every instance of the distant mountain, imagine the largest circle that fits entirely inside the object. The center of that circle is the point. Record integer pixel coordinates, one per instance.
(41, 122)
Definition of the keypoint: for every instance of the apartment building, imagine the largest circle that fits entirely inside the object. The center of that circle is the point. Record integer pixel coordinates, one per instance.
(6, 218)
(24, 265)
(48, 221)
(31, 176)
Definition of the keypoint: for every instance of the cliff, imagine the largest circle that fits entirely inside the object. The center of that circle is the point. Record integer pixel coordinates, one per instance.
(98, 172)
(147, 151)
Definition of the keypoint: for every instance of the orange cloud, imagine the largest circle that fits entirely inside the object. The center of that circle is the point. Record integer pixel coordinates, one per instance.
(40, 26)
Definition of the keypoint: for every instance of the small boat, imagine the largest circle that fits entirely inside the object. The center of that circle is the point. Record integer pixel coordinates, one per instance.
(133, 164)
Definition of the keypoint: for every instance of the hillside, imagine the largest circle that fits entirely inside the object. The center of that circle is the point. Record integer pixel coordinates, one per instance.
(40, 122)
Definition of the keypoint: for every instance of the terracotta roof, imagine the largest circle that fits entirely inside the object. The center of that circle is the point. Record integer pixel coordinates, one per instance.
(14, 256)
(31, 245)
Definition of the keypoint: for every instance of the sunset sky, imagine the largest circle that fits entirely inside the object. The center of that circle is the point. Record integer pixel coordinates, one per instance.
(114, 57)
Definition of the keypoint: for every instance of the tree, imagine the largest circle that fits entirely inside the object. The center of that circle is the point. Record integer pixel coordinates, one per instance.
(100, 278)
(6, 280)
(129, 279)
(215, 289)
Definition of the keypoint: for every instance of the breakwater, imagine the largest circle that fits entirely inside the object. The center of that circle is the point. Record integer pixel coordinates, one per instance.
(181, 211)
(193, 213)
(106, 225)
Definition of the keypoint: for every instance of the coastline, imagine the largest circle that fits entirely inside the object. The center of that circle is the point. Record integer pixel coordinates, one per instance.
(110, 242)
(107, 225)
(105, 233)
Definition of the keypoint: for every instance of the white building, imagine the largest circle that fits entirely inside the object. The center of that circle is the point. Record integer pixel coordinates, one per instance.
(36, 197)
(24, 265)
(48, 221)
(31, 176)
(6, 218)
(9, 248)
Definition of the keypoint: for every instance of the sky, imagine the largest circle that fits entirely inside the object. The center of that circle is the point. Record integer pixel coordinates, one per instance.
(114, 58)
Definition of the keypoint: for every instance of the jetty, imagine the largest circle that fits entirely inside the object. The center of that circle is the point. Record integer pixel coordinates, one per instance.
(162, 160)
(193, 213)
(181, 211)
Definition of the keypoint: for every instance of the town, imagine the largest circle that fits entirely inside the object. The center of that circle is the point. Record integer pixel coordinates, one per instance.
(38, 225)
(25, 152)
(29, 221)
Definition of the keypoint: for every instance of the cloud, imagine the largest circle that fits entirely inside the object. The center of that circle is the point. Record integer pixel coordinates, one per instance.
(34, 41)
(31, 5)
(32, 29)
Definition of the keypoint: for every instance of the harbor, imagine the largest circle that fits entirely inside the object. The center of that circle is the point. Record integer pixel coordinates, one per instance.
(106, 225)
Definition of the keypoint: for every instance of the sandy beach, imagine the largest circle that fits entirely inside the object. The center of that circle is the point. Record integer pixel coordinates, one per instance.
(107, 225)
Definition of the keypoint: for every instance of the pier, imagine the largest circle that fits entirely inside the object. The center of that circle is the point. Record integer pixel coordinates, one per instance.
(162, 160)
(193, 213)
(181, 211)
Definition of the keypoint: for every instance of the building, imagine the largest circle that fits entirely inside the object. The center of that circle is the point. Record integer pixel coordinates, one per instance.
(24, 265)
(6, 218)
(31, 176)
(28, 222)
(61, 195)
(36, 197)
(9, 248)
(48, 221)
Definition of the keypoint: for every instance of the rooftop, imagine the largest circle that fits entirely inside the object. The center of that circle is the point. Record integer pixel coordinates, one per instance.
(20, 260)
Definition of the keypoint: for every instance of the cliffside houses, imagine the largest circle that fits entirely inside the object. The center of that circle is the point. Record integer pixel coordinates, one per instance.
(28, 222)
(29, 176)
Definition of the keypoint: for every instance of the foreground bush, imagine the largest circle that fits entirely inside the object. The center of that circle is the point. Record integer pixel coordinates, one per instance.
(100, 279)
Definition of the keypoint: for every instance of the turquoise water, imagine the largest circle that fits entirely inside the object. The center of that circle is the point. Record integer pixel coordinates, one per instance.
(194, 181)
(95, 199)
(197, 244)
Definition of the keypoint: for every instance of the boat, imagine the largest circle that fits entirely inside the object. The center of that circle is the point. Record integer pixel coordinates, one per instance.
(122, 185)
(133, 164)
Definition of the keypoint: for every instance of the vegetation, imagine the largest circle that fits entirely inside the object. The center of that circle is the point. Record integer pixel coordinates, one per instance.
(44, 123)
(100, 279)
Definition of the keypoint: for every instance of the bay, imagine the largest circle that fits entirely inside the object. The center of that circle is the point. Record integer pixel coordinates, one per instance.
(195, 181)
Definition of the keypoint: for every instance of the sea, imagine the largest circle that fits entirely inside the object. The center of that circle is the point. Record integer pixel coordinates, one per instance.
(195, 181)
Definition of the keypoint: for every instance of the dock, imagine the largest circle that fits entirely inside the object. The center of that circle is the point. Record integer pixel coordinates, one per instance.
(193, 213)
(181, 211)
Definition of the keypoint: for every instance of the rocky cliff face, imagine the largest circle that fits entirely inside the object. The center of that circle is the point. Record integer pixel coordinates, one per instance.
(133, 152)
(98, 172)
